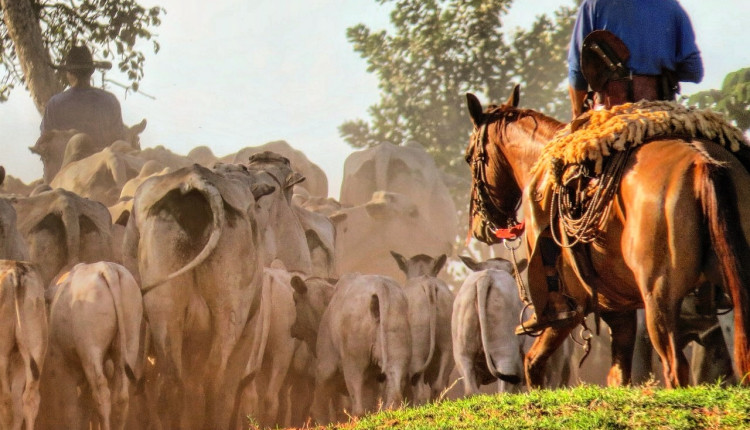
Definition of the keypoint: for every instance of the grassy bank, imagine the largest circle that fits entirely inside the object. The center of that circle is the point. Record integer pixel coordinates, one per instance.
(584, 407)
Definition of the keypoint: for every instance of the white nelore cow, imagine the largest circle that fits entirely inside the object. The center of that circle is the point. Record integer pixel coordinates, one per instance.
(95, 316)
(363, 339)
(485, 312)
(23, 332)
(430, 308)
(273, 347)
(311, 298)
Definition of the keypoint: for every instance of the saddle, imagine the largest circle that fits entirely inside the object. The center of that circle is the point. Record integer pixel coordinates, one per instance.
(603, 64)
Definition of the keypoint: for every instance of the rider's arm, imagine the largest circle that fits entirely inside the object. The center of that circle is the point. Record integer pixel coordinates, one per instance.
(577, 83)
(576, 100)
(688, 57)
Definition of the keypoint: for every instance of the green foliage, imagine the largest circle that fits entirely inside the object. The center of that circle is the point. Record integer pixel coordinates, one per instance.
(583, 407)
(437, 51)
(733, 99)
(111, 29)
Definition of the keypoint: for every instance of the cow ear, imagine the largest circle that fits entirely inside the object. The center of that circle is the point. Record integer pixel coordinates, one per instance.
(375, 307)
(299, 285)
(475, 109)
(514, 96)
(439, 263)
(337, 217)
(400, 260)
(470, 263)
(137, 128)
(260, 190)
(377, 209)
(293, 179)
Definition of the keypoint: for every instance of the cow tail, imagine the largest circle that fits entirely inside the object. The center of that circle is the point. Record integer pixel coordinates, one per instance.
(19, 294)
(381, 300)
(112, 278)
(264, 326)
(217, 211)
(716, 191)
(69, 218)
(483, 289)
(431, 290)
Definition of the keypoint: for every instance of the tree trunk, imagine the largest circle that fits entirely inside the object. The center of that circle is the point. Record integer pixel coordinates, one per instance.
(26, 34)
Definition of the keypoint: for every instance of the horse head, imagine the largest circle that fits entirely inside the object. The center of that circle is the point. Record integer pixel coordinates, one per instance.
(503, 148)
(495, 194)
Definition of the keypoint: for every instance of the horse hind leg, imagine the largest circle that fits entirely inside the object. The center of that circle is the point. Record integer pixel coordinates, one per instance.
(661, 324)
(622, 326)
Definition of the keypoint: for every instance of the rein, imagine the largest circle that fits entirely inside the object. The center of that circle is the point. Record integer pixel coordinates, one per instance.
(482, 205)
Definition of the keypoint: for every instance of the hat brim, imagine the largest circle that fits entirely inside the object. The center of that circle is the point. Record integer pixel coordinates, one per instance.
(106, 65)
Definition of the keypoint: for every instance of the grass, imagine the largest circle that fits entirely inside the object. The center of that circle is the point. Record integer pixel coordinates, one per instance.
(583, 407)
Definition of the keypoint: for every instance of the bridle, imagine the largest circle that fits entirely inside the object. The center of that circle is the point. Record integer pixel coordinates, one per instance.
(481, 204)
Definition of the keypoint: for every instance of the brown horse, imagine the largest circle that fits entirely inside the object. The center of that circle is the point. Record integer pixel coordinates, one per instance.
(681, 216)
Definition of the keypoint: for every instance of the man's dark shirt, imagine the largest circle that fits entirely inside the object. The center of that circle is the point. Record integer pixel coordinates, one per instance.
(89, 110)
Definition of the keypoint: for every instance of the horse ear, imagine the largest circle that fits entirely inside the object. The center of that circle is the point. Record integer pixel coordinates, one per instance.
(514, 96)
(475, 109)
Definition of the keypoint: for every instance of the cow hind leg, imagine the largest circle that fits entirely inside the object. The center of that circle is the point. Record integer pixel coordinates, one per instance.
(31, 395)
(443, 377)
(273, 389)
(120, 399)
(324, 395)
(469, 376)
(355, 384)
(6, 397)
(100, 393)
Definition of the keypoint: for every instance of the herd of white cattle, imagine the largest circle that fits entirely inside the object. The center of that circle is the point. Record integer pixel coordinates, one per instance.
(145, 289)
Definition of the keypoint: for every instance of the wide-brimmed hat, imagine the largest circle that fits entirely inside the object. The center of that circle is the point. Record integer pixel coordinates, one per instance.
(80, 58)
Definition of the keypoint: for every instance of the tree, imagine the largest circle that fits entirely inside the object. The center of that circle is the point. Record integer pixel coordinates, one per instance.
(733, 99)
(441, 49)
(34, 32)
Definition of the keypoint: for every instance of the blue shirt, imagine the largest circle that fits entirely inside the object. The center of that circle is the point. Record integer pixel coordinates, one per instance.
(658, 34)
(89, 110)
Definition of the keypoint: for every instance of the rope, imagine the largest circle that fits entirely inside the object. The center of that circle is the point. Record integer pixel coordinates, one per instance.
(522, 293)
(583, 218)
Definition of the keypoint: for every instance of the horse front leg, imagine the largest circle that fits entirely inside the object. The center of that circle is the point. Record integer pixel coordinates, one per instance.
(543, 347)
(622, 327)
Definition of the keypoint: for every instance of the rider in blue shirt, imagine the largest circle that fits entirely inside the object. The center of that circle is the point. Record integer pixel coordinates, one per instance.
(658, 34)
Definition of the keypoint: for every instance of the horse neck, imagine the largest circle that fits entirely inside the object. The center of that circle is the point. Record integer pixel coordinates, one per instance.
(524, 141)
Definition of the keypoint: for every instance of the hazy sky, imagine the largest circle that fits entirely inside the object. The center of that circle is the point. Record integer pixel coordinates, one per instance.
(237, 73)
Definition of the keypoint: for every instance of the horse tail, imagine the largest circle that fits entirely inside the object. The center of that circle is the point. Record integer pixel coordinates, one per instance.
(716, 191)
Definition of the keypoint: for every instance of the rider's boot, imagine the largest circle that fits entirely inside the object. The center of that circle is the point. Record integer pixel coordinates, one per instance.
(559, 310)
